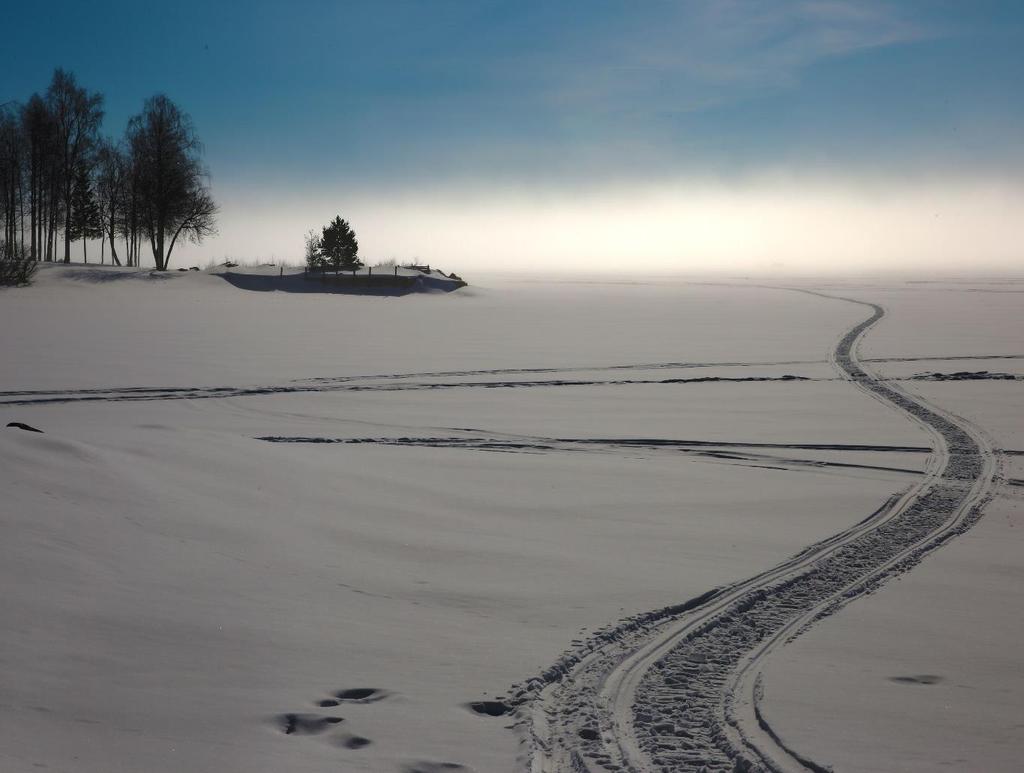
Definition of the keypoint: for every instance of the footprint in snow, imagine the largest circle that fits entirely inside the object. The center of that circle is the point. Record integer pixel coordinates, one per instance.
(306, 724)
(917, 679)
(294, 723)
(317, 724)
(490, 708)
(354, 741)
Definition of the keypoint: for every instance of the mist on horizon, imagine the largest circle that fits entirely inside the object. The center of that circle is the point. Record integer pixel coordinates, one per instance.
(698, 137)
(771, 225)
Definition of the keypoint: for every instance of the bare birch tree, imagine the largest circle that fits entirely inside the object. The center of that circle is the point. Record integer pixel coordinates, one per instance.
(173, 197)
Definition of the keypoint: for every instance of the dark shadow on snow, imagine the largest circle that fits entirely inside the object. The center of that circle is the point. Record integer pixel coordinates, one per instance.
(385, 285)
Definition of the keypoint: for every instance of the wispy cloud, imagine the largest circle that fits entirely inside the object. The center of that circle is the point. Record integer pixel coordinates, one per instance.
(693, 55)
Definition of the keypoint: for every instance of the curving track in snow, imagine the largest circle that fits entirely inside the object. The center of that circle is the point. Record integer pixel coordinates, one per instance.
(678, 689)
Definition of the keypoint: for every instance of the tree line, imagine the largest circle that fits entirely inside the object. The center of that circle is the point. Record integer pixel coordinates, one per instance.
(63, 181)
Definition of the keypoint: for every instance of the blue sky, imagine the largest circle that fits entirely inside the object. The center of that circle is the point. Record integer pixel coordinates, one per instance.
(543, 99)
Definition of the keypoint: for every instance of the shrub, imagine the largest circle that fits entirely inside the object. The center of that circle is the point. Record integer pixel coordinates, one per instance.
(17, 269)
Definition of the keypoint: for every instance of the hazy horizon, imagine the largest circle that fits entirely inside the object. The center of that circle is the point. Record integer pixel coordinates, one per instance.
(795, 137)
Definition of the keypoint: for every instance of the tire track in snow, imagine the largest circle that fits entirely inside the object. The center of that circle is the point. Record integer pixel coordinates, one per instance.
(679, 688)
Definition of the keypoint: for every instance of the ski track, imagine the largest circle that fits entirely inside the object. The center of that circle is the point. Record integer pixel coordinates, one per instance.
(351, 383)
(702, 449)
(680, 688)
(132, 394)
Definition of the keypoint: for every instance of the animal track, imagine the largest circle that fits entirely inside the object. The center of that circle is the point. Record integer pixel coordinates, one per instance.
(315, 724)
(917, 679)
(355, 742)
(306, 724)
(490, 708)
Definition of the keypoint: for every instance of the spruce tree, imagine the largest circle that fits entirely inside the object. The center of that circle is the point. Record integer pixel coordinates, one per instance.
(339, 246)
(86, 222)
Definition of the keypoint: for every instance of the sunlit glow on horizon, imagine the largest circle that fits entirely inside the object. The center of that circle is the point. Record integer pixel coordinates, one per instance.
(761, 226)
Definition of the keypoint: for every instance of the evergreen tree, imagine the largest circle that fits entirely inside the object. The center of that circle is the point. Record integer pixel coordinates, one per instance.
(339, 247)
(86, 222)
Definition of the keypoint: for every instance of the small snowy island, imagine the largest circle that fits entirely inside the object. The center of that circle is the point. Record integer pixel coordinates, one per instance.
(332, 260)
(387, 280)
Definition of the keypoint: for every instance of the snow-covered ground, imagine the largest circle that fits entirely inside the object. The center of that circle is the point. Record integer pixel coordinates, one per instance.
(509, 465)
(928, 673)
